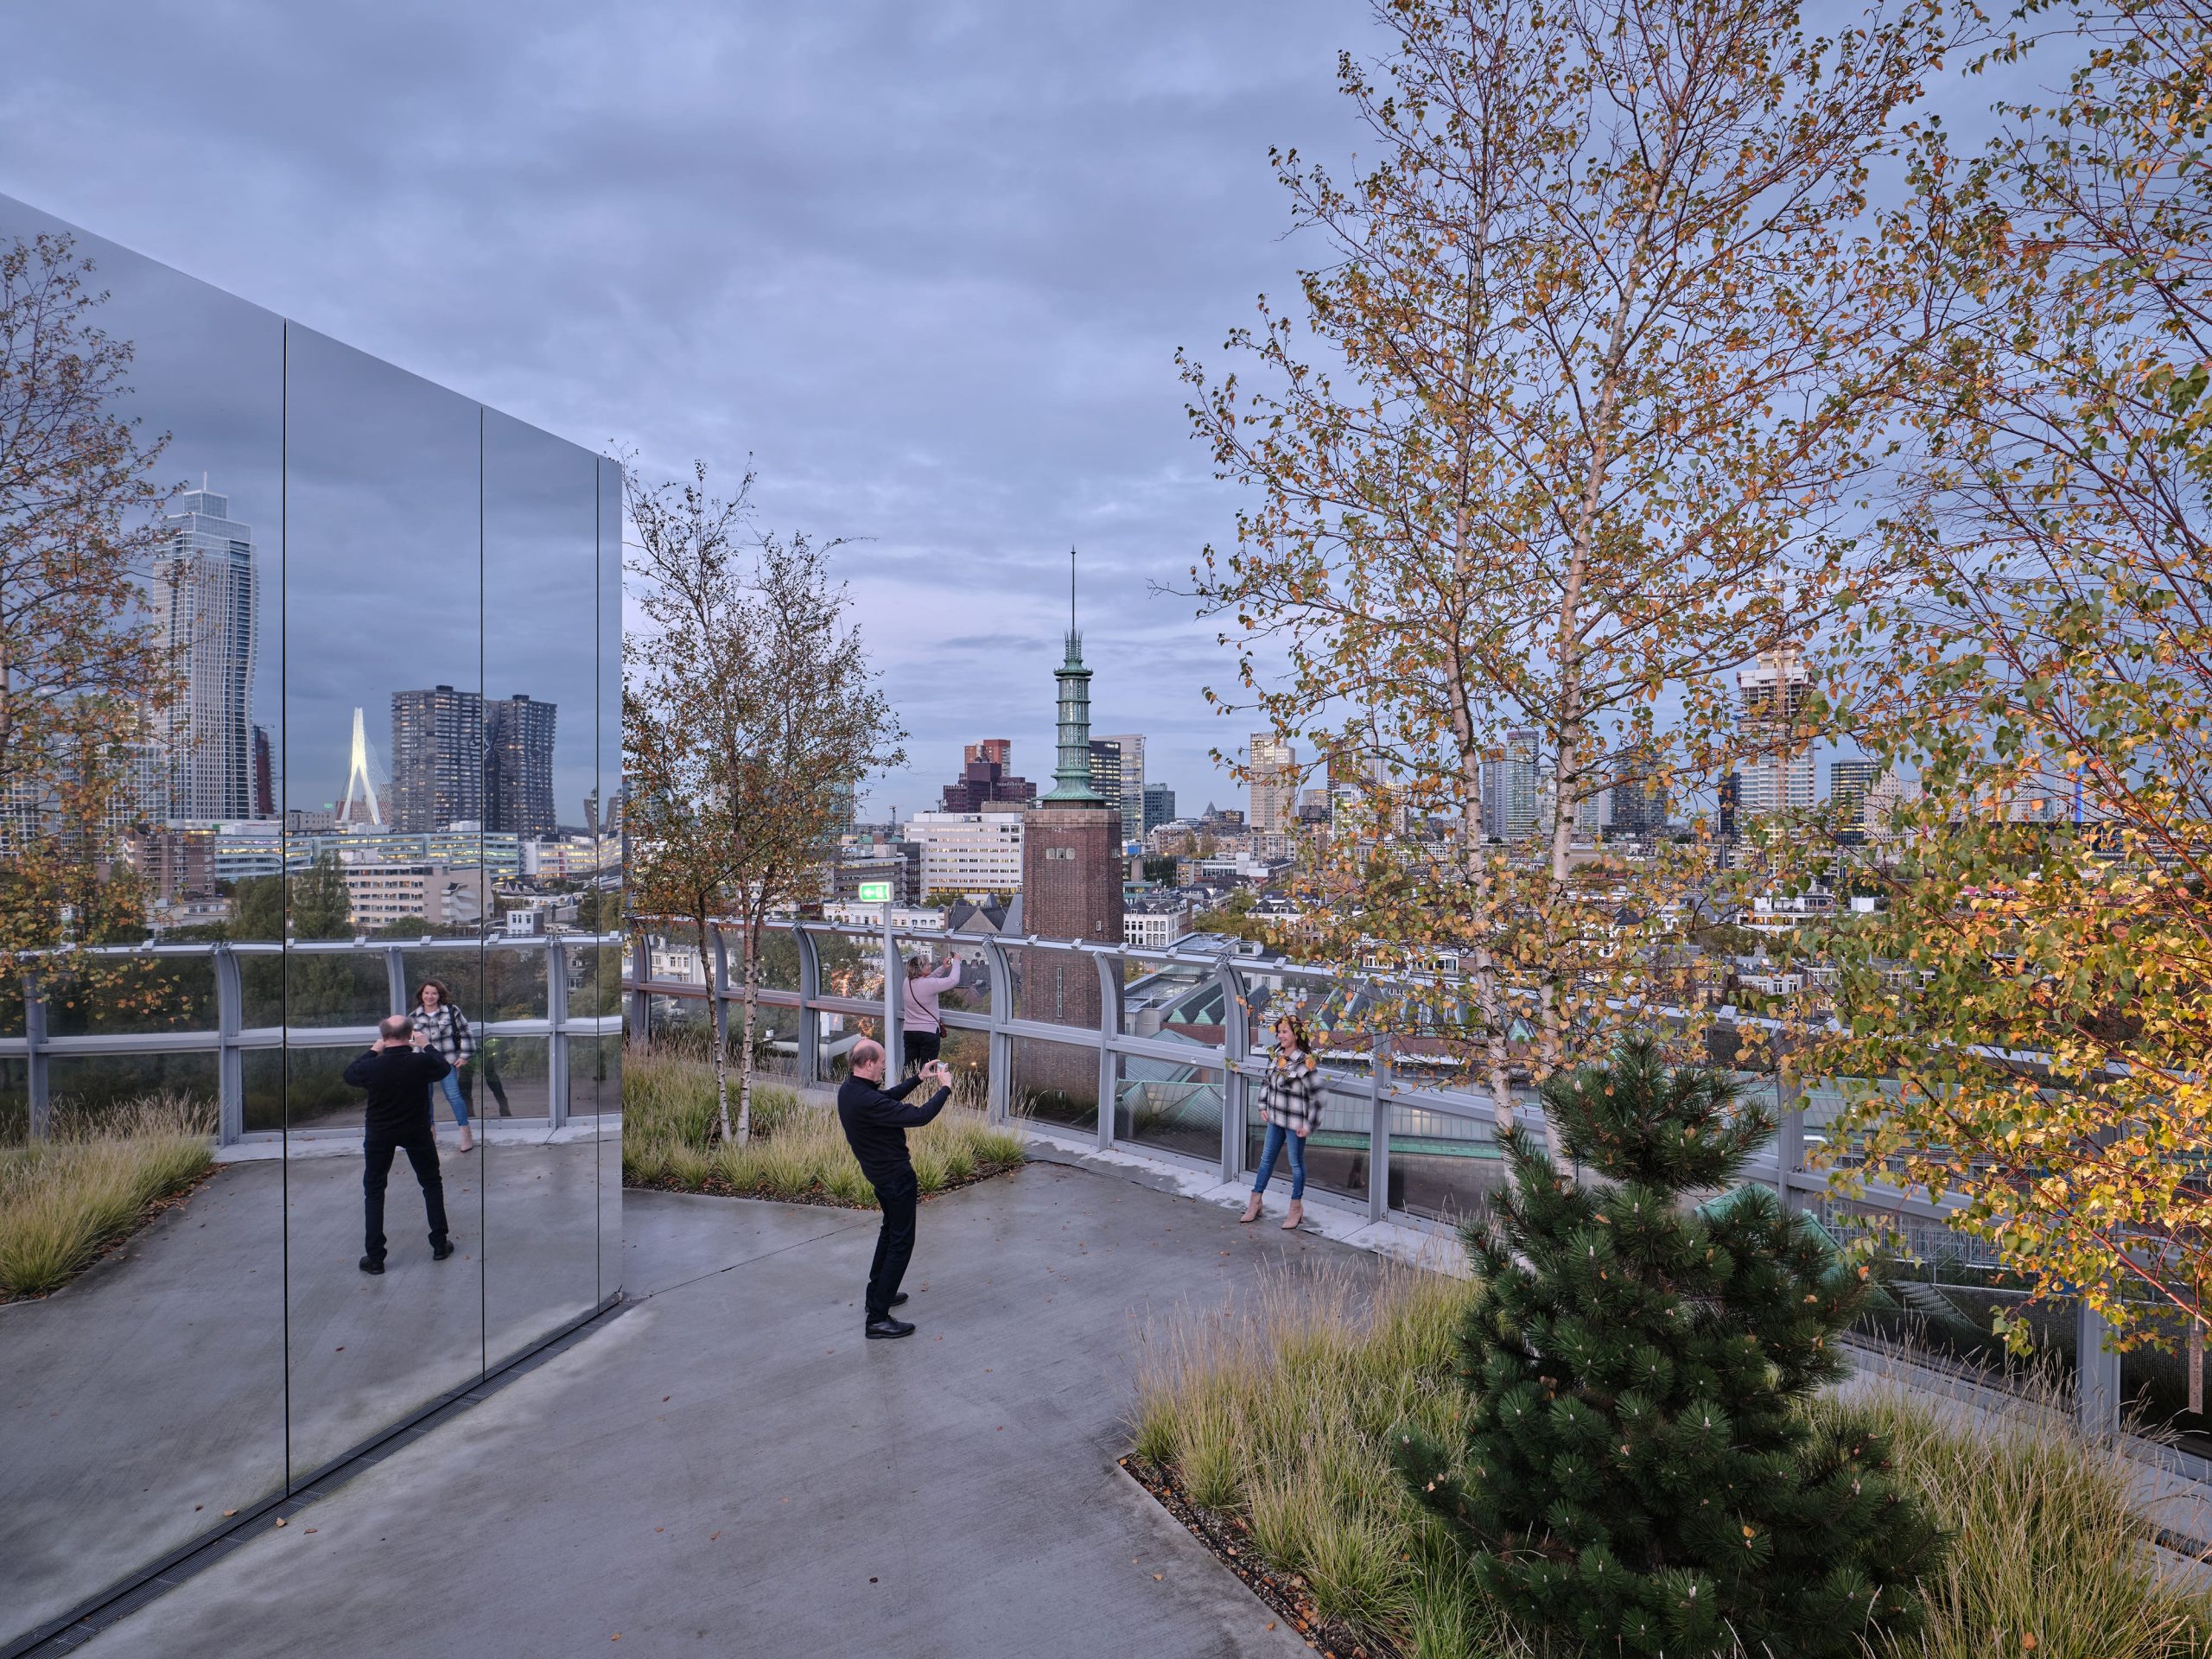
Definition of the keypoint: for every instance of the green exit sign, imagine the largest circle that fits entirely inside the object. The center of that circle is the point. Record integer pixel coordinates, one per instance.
(875, 892)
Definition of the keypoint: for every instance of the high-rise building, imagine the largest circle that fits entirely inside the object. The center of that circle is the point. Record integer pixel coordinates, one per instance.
(1777, 765)
(1512, 788)
(983, 777)
(1159, 807)
(1848, 782)
(1106, 770)
(1728, 812)
(518, 766)
(437, 758)
(1639, 806)
(1131, 745)
(1273, 769)
(206, 607)
(264, 774)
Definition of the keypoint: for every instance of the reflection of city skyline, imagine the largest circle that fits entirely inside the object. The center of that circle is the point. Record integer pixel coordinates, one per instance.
(455, 756)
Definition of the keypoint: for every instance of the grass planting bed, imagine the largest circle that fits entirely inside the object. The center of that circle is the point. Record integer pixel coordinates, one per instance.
(70, 1198)
(795, 1153)
(1261, 1427)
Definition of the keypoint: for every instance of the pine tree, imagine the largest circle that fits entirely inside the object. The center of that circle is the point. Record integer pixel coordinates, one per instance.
(1636, 1473)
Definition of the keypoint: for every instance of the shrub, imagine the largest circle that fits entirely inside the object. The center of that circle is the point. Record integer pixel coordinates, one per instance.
(1635, 1472)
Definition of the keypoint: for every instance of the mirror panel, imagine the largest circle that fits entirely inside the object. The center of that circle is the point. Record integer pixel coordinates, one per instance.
(142, 1379)
(384, 781)
(541, 581)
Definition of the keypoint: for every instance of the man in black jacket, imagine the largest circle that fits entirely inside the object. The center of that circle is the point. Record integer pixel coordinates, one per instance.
(876, 1119)
(397, 1071)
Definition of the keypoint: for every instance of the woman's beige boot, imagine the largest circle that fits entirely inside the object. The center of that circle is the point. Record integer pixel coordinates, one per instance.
(467, 1139)
(1251, 1209)
(1296, 1218)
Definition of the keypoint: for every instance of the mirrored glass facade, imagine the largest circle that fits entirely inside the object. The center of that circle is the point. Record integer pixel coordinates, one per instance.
(384, 755)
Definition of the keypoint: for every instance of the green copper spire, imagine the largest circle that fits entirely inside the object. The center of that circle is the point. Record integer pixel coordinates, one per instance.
(1071, 778)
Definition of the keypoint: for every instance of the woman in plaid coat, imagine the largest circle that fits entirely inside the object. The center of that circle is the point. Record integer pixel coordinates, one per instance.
(1290, 1105)
(438, 1017)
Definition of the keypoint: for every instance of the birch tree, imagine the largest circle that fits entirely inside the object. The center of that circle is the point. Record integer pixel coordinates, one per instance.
(1580, 410)
(2038, 990)
(84, 674)
(750, 714)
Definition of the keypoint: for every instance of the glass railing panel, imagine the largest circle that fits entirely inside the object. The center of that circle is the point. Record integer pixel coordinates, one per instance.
(1169, 1105)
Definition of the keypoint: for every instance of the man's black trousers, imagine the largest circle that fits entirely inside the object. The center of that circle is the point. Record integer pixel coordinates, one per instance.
(895, 1243)
(423, 1154)
(918, 1049)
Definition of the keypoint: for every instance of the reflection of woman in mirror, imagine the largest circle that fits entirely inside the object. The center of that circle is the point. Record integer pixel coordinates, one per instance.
(439, 1018)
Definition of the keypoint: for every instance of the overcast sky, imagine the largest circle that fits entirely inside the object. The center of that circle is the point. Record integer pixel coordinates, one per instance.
(927, 265)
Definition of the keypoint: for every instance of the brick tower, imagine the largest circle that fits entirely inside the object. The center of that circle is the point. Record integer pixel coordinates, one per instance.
(1070, 865)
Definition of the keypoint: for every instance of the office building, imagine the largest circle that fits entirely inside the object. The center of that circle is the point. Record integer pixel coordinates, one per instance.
(206, 609)
(264, 774)
(984, 778)
(1273, 773)
(437, 765)
(1512, 788)
(1848, 782)
(970, 852)
(1638, 794)
(1159, 808)
(1106, 770)
(1777, 766)
(1130, 745)
(378, 894)
(518, 766)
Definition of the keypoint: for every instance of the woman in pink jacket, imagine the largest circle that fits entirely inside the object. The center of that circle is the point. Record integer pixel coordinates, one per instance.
(920, 1027)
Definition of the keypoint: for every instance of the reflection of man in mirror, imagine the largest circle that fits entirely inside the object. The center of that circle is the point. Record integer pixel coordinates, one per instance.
(398, 1072)
(920, 1026)
(875, 1120)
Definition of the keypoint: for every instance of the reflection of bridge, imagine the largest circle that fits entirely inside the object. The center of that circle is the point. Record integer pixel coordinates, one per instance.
(563, 975)
(1179, 1051)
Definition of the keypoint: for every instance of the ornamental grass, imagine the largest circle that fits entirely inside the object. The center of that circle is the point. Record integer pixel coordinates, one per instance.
(1274, 1412)
(90, 1183)
(797, 1151)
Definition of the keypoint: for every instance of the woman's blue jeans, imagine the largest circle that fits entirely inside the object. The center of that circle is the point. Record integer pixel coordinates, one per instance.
(1279, 1137)
(451, 1083)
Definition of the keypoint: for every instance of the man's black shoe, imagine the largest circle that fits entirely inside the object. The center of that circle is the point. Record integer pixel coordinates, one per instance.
(442, 1249)
(884, 1329)
(900, 1300)
(372, 1264)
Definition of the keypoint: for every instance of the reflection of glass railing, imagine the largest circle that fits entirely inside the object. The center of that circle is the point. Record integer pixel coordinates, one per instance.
(240, 1006)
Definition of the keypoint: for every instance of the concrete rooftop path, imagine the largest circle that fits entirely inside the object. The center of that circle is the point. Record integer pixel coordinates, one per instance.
(728, 1467)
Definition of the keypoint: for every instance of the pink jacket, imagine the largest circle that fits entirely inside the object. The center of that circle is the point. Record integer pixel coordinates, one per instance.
(921, 997)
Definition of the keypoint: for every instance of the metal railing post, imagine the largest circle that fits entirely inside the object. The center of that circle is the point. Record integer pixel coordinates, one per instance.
(894, 1019)
(641, 1000)
(999, 1065)
(1235, 1045)
(395, 978)
(810, 988)
(229, 1060)
(557, 1048)
(1109, 1028)
(1788, 1146)
(717, 951)
(1378, 1131)
(35, 1080)
(2096, 1389)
